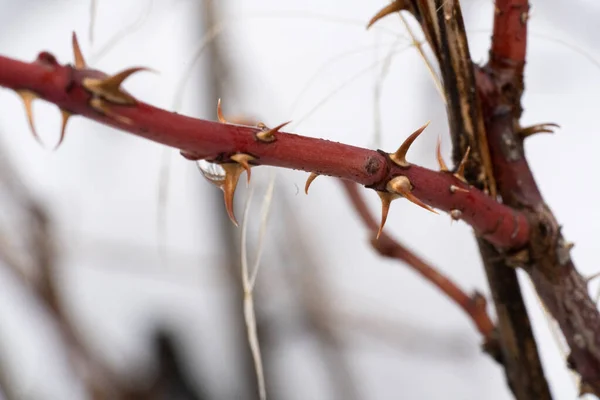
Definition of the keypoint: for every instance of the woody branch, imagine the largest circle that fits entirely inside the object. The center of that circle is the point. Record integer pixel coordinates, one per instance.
(81, 91)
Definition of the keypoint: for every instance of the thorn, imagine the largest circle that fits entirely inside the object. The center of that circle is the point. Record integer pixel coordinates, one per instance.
(591, 278)
(232, 176)
(440, 159)
(110, 88)
(454, 189)
(396, 6)
(401, 185)
(65, 118)
(77, 55)
(100, 105)
(399, 157)
(220, 113)
(243, 159)
(310, 180)
(460, 171)
(268, 135)
(386, 200)
(539, 128)
(28, 97)
(455, 215)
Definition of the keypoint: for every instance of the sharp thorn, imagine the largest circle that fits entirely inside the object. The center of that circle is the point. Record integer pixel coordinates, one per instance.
(309, 181)
(440, 159)
(28, 97)
(110, 88)
(454, 189)
(103, 108)
(65, 118)
(391, 8)
(220, 113)
(401, 185)
(460, 171)
(386, 200)
(268, 135)
(243, 159)
(228, 186)
(591, 277)
(77, 55)
(455, 214)
(539, 128)
(399, 157)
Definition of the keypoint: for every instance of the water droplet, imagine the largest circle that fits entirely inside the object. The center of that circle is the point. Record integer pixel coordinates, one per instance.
(213, 172)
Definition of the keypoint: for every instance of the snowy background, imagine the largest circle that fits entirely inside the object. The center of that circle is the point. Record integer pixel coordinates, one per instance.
(313, 62)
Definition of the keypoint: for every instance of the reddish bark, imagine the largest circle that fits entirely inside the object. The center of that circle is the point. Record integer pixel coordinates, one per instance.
(214, 141)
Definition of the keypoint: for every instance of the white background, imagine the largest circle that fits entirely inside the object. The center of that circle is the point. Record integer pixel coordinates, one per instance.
(101, 190)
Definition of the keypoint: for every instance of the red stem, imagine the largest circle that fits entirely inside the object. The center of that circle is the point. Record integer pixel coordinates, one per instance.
(509, 40)
(201, 139)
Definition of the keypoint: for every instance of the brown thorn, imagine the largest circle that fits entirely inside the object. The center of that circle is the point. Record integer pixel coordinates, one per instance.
(386, 200)
(454, 189)
(77, 55)
(232, 176)
(243, 159)
(269, 134)
(28, 97)
(65, 118)
(399, 157)
(100, 105)
(591, 277)
(460, 171)
(110, 88)
(539, 128)
(310, 180)
(440, 159)
(401, 185)
(396, 6)
(220, 113)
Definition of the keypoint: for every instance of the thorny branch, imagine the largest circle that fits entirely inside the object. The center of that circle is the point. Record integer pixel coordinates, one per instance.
(562, 289)
(97, 96)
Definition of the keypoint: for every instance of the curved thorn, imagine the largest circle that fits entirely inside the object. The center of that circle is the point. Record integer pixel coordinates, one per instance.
(28, 97)
(100, 105)
(440, 159)
(399, 157)
(401, 185)
(77, 55)
(243, 159)
(65, 118)
(232, 176)
(386, 200)
(110, 88)
(460, 171)
(269, 134)
(539, 128)
(220, 113)
(396, 6)
(310, 180)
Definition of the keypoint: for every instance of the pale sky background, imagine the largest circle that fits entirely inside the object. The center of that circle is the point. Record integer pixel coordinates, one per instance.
(101, 190)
